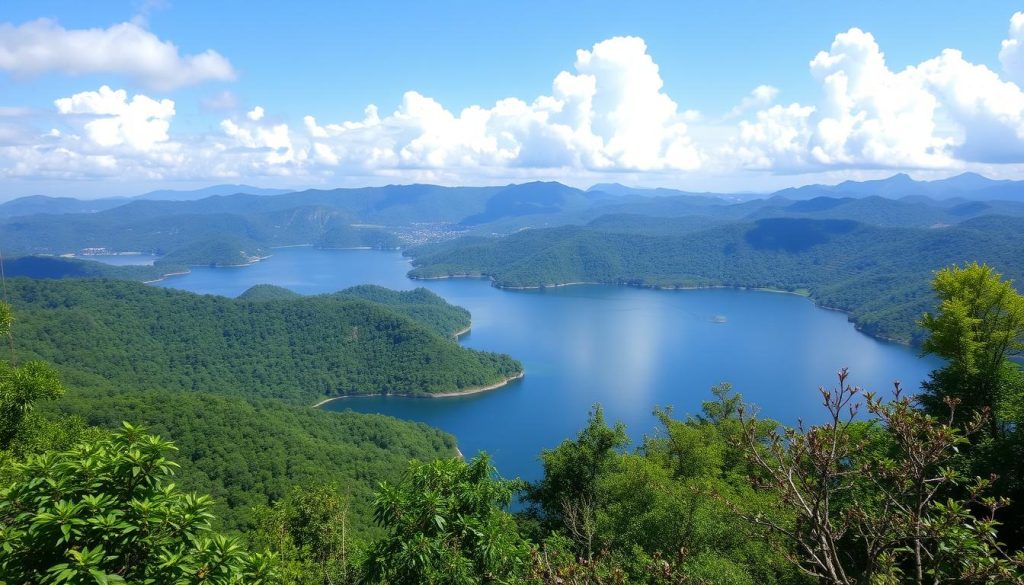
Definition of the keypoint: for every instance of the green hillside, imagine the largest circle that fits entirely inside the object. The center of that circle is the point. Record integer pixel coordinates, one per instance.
(879, 275)
(120, 334)
(252, 452)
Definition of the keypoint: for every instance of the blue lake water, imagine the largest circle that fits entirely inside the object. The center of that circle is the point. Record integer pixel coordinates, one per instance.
(123, 259)
(628, 349)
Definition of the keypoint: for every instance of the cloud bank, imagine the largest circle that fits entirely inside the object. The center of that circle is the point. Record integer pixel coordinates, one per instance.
(43, 46)
(608, 114)
(938, 114)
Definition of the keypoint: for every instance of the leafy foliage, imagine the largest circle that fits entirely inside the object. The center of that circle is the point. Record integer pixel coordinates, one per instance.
(869, 515)
(217, 251)
(118, 334)
(106, 512)
(309, 531)
(979, 328)
(445, 524)
(979, 325)
(250, 452)
(844, 265)
(59, 267)
(267, 292)
(663, 514)
(21, 387)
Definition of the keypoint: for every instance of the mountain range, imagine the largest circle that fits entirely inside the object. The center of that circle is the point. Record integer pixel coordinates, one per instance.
(966, 186)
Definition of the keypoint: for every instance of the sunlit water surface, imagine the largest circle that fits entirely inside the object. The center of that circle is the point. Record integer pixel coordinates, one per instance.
(627, 349)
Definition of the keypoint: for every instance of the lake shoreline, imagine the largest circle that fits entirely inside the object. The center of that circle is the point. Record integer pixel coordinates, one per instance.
(163, 277)
(455, 394)
(806, 295)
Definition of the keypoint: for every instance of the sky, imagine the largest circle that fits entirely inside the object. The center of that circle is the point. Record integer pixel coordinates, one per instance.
(119, 98)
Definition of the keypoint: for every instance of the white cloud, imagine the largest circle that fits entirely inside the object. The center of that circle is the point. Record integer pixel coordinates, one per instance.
(762, 96)
(1012, 53)
(938, 114)
(987, 111)
(611, 114)
(43, 46)
(141, 123)
(259, 147)
(607, 117)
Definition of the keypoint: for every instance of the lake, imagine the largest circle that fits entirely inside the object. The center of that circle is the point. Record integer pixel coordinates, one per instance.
(627, 349)
(122, 259)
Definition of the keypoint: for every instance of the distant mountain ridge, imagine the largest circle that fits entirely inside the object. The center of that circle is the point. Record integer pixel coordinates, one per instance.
(394, 215)
(35, 204)
(194, 194)
(478, 205)
(970, 186)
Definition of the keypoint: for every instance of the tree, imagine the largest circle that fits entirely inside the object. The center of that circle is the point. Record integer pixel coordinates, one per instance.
(21, 387)
(871, 502)
(568, 490)
(978, 326)
(446, 523)
(106, 512)
(660, 514)
(308, 530)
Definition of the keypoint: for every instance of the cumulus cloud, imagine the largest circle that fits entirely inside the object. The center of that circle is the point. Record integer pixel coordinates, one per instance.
(257, 147)
(606, 115)
(141, 123)
(987, 111)
(101, 133)
(43, 46)
(934, 115)
(762, 96)
(609, 114)
(1012, 53)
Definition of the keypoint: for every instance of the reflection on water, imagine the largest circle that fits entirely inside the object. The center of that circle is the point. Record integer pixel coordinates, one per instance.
(625, 348)
(123, 260)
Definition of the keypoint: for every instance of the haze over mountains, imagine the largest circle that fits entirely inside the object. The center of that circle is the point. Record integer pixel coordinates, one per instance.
(560, 234)
(543, 197)
(48, 204)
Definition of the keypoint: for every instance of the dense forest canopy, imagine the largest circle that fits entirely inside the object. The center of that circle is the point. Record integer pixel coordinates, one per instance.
(904, 494)
(108, 334)
(878, 275)
(250, 484)
(250, 452)
(229, 228)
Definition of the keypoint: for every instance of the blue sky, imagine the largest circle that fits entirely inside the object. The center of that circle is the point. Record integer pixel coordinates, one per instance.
(666, 93)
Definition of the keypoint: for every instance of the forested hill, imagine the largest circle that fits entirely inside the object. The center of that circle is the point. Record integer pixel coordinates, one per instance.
(50, 267)
(164, 227)
(879, 275)
(248, 452)
(237, 228)
(119, 334)
(420, 304)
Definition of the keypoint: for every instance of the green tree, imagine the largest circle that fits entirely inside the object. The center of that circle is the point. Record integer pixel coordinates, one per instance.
(870, 515)
(446, 523)
(665, 513)
(978, 326)
(21, 387)
(106, 512)
(568, 492)
(309, 531)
